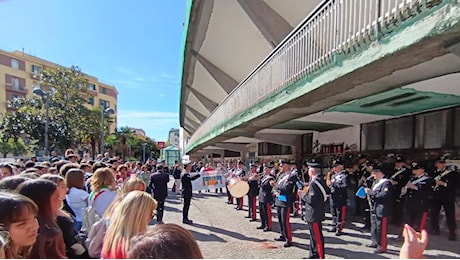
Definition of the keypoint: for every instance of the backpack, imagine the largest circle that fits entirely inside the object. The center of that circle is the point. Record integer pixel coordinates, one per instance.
(95, 238)
(90, 216)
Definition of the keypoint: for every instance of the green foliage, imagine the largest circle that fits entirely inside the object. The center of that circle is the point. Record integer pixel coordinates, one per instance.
(127, 144)
(68, 117)
(14, 147)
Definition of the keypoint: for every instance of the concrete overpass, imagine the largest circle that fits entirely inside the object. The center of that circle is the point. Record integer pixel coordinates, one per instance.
(270, 71)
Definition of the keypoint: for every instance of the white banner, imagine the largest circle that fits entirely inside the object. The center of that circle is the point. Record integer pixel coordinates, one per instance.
(209, 180)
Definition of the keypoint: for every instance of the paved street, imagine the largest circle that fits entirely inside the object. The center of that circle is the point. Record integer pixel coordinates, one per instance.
(223, 232)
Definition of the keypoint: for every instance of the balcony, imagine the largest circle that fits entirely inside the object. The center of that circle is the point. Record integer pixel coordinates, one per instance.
(20, 90)
(335, 31)
(34, 76)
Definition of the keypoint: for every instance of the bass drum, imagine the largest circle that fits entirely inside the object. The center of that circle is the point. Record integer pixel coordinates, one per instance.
(237, 187)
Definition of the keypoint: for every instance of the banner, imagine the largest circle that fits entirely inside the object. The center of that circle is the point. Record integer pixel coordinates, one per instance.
(208, 180)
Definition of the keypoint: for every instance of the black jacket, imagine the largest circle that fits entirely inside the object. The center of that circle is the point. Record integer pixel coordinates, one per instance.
(420, 199)
(381, 197)
(402, 176)
(186, 181)
(159, 185)
(253, 188)
(265, 189)
(285, 186)
(449, 177)
(339, 188)
(315, 200)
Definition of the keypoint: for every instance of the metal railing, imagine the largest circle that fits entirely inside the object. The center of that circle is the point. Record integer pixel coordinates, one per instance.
(335, 27)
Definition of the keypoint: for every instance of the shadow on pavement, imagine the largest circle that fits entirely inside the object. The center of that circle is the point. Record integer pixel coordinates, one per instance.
(206, 237)
(227, 232)
(343, 253)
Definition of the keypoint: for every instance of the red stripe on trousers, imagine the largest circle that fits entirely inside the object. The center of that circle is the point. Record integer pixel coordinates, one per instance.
(297, 207)
(269, 214)
(288, 225)
(423, 221)
(319, 243)
(241, 203)
(344, 212)
(384, 234)
(254, 208)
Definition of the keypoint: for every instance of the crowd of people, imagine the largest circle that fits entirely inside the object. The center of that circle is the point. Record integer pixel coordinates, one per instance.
(75, 207)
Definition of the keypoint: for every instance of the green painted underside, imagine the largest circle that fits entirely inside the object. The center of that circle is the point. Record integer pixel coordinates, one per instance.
(307, 125)
(398, 102)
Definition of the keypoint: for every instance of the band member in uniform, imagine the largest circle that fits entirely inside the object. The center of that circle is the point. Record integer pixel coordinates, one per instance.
(444, 196)
(337, 180)
(399, 178)
(284, 192)
(366, 180)
(355, 178)
(295, 206)
(418, 192)
(186, 181)
(229, 175)
(266, 184)
(315, 200)
(380, 197)
(241, 173)
(253, 182)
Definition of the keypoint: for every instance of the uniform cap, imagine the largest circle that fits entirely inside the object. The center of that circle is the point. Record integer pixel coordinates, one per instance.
(399, 158)
(312, 163)
(417, 165)
(441, 159)
(292, 162)
(377, 168)
(337, 162)
(283, 161)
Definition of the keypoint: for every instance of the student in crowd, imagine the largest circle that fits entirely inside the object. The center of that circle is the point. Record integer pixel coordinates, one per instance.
(167, 241)
(45, 193)
(65, 221)
(103, 187)
(12, 182)
(19, 224)
(127, 221)
(77, 197)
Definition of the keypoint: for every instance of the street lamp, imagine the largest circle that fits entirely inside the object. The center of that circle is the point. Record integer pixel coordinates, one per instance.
(143, 156)
(109, 112)
(44, 94)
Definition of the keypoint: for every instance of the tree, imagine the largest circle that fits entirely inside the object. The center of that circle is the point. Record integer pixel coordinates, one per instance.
(128, 144)
(68, 115)
(15, 147)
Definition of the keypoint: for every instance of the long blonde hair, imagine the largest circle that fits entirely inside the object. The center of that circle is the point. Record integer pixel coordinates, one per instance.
(130, 218)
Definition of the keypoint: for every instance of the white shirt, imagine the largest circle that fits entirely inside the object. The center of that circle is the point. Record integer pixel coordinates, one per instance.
(103, 201)
(76, 200)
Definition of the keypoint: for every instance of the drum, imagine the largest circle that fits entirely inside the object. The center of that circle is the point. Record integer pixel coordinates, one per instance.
(237, 187)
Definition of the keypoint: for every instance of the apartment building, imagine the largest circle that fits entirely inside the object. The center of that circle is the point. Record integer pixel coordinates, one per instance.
(19, 73)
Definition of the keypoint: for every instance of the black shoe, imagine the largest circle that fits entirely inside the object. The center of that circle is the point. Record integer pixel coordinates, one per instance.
(252, 220)
(229, 202)
(260, 227)
(267, 229)
(332, 230)
(287, 244)
(372, 245)
(247, 217)
(339, 233)
(378, 250)
(280, 239)
(187, 221)
(311, 257)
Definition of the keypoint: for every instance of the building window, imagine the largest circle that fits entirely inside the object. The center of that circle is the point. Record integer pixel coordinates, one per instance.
(104, 103)
(91, 100)
(36, 69)
(92, 86)
(14, 64)
(15, 83)
(104, 90)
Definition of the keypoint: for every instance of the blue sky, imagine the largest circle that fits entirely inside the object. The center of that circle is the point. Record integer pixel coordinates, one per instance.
(134, 45)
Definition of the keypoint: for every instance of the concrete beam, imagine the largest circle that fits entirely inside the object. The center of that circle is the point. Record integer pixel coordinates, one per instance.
(272, 25)
(193, 123)
(195, 112)
(232, 147)
(284, 139)
(455, 49)
(223, 79)
(208, 103)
